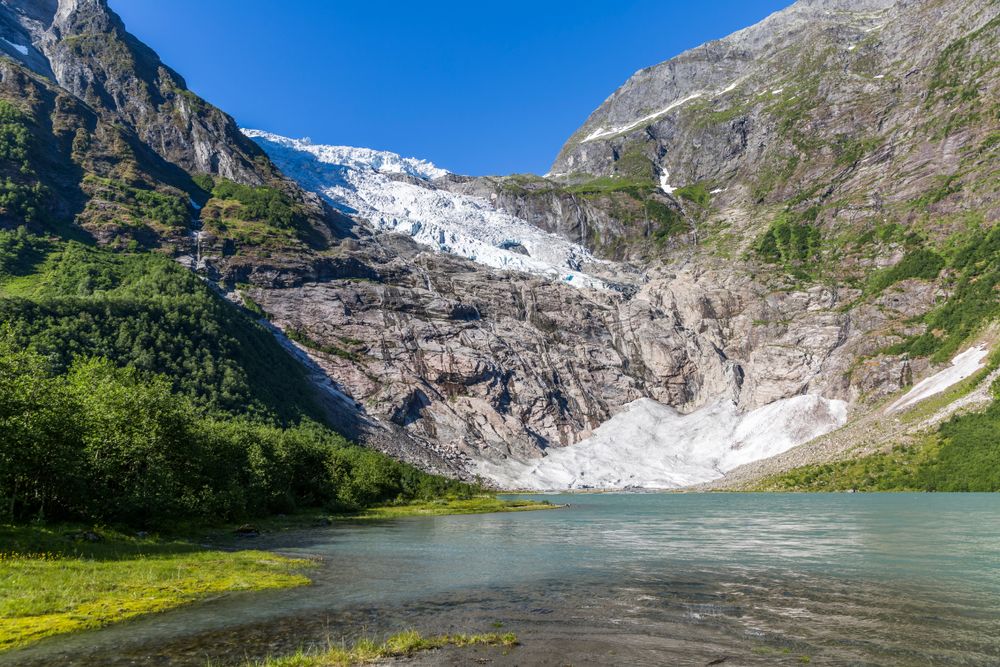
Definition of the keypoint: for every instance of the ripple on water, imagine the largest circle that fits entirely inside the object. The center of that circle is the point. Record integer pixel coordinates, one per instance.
(617, 579)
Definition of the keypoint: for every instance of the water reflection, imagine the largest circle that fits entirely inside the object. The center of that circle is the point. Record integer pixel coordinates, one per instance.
(764, 579)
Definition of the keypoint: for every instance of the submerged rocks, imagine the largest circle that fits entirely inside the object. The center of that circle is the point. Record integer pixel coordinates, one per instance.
(247, 530)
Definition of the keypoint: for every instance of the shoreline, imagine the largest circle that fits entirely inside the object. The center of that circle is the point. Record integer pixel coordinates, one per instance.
(136, 574)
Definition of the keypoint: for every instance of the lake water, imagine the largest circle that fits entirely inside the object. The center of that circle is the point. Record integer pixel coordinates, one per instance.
(655, 579)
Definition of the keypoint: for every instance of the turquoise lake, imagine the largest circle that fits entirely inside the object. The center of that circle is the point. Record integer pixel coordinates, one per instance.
(630, 579)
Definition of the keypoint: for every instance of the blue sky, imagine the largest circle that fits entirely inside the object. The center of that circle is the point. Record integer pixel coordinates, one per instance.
(478, 88)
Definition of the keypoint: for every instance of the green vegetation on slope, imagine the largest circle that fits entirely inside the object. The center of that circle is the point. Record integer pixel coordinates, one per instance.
(137, 207)
(973, 302)
(52, 583)
(443, 506)
(261, 216)
(919, 263)
(67, 300)
(963, 455)
(21, 193)
(123, 382)
(791, 241)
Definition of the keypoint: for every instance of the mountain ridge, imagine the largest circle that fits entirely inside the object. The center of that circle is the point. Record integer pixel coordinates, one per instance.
(818, 228)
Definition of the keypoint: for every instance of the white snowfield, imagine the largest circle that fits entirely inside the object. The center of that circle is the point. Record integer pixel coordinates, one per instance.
(650, 445)
(367, 183)
(962, 366)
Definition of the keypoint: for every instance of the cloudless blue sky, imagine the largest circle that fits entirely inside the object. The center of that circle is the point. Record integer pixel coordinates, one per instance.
(477, 87)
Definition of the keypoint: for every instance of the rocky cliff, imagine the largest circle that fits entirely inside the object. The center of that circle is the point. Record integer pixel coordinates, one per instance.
(751, 191)
(781, 213)
(132, 131)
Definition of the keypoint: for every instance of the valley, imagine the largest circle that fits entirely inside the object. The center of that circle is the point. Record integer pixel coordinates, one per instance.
(766, 266)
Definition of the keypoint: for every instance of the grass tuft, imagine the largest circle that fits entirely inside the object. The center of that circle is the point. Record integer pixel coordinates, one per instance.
(54, 583)
(401, 645)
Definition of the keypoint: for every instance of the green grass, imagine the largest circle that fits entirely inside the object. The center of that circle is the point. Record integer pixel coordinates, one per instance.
(605, 185)
(897, 470)
(439, 507)
(53, 583)
(400, 645)
(964, 455)
(479, 505)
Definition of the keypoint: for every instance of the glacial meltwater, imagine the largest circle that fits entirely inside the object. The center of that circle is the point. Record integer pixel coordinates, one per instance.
(647, 579)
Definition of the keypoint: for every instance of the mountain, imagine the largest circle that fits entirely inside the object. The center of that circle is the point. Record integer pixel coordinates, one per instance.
(133, 391)
(397, 194)
(126, 147)
(786, 227)
(785, 212)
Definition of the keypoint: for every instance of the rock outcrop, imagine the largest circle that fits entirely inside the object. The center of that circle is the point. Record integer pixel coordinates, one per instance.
(743, 193)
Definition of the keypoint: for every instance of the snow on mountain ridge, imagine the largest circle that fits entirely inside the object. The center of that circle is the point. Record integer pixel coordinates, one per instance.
(359, 158)
(366, 183)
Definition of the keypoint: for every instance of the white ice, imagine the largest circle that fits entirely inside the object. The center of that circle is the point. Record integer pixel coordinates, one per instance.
(20, 48)
(665, 183)
(962, 366)
(368, 183)
(651, 445)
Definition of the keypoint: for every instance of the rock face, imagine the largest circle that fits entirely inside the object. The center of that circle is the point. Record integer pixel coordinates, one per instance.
(489, 365)
(801, 78)
(842, 112)
(167, 132)
(88, 52)
(838, 116)
(743, 195)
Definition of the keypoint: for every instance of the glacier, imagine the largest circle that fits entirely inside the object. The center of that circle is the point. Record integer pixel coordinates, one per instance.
(653, 446)
(397, 195)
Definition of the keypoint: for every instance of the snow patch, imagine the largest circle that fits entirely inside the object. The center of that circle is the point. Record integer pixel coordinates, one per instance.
(20, 48)
(651, 445)
(730, 88)
(665, 183)
(962, 366)
(368, 183)
(602, 132)
(880, 76)
(717, 191)
(777, 91)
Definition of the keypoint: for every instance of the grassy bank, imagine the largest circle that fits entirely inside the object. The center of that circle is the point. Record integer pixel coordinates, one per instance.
(477, 505)
(55, 580)
(65, 578)
(400, 645)
(422, 508)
